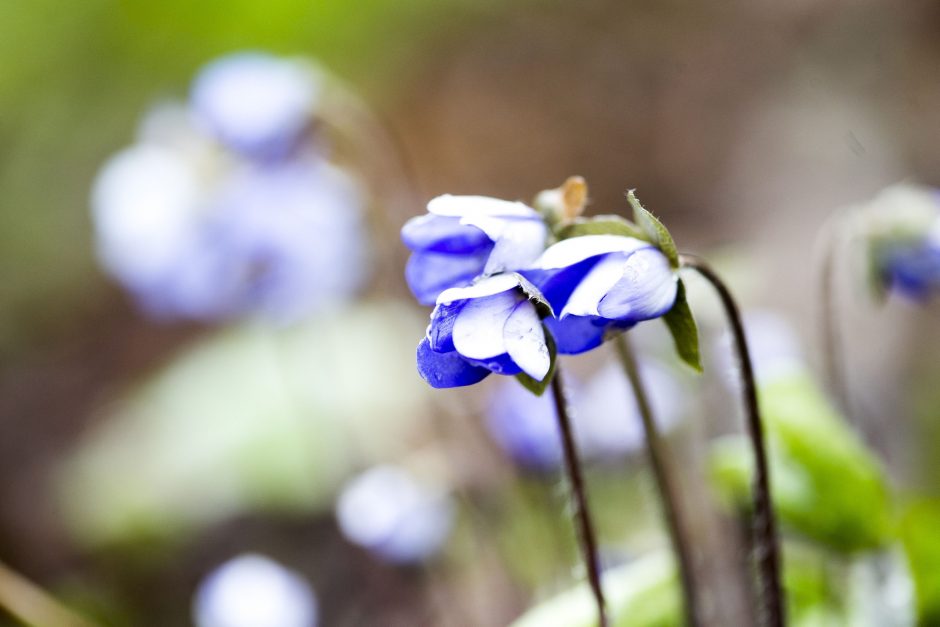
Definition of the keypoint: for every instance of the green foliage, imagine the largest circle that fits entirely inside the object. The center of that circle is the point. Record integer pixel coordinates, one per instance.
(538, 387)
(920, 535)
(654, 229)
(826, 484)
(684, 331)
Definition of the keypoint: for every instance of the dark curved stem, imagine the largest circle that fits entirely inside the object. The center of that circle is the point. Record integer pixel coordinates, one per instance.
(659, 462)
(582, 512)
(767, 547)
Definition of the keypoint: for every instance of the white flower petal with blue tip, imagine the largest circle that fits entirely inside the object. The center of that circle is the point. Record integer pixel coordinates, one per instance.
(576, 249)
(478, 329)
(524, 339)
(647, 289)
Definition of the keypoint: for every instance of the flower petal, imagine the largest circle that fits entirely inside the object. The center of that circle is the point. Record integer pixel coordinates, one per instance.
(461, 206)
(500, 364)
(440, 332)
(443, 235)
(447, 370)
(594, 286)
(478, 329)
(576, 249)
(519, 244)
(428, 274)
(578, 334)
(485, 287)
(524, 339)
(646, 290)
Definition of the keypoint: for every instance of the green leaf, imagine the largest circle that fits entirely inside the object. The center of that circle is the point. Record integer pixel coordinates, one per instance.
(602, 225)
(535, 295)
(684, 331)
(827, 486)
(919, 524)
(641, 593)
(538, 387)
(654, 229)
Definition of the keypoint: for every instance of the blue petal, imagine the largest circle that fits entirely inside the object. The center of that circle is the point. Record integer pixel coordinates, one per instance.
(578, 334)
(429, 274)
(557, 284)
(447, 370)
(646, 290)
(443, 235)
(440, 333)
(913, 271)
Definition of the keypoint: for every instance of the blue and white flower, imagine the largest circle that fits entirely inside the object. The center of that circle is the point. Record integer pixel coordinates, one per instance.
(490, 326)
(256, 103)
(387, 511)
(601, 284)
(464, 237)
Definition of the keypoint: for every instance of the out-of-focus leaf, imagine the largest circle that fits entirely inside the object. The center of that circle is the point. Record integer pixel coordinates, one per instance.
(251, 418)
(920, 534)
(826, 484)
(643, 593)
(684, 331)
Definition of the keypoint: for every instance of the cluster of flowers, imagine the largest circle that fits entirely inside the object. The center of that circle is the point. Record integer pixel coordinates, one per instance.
(901, 227)
(505, 294)
(229, 204)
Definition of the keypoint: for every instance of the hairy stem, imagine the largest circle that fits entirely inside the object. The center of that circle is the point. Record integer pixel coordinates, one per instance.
(582, 512)
(659, 462)
(767, 547)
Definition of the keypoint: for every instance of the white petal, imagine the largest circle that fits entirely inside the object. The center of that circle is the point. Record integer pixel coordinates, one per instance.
(525, 341)
(647, 289)
(521, 242)
(594, 286)
(478, 329)
(460, 206)
(571, 251)
(485, 287)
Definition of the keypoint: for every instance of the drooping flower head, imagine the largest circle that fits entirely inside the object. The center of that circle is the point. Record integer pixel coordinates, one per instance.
(901, 232)
(464, 237)
(491, 326)
(599, 284)
(227, 206)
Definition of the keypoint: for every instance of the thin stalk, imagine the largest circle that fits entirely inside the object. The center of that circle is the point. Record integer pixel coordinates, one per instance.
(656, 449)
(767, 546)
(582, 514)
(32, 605)
(832, 357)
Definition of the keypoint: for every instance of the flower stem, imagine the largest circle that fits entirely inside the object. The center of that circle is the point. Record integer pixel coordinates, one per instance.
(656, 449)
(829, 317)
(582, 513)
(32, 605)
(767, 547)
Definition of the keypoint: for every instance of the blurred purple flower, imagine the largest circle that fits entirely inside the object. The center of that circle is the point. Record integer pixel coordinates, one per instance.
(463, 237)
(254, 591)
(257, 104)
(198, 232)
(490, 326)
(386, 511)
(601, 284)
(901, 228)
(605, 418)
